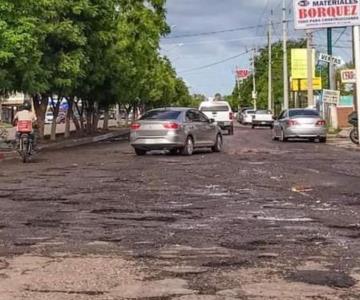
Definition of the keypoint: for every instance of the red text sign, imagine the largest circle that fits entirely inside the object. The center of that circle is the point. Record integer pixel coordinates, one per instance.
(311, 14)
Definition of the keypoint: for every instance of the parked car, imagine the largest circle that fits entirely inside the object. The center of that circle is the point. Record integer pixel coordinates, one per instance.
(221, 112)
(299, 123)
(176, 130)
(246, 117)
(263, 118)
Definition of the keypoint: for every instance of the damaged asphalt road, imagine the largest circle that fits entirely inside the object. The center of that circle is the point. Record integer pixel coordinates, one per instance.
(262, 220)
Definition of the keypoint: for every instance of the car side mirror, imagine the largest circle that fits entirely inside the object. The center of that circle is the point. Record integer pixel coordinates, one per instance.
(211, 121)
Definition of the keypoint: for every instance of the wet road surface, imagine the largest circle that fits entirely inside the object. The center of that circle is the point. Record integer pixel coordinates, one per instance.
(262, 220)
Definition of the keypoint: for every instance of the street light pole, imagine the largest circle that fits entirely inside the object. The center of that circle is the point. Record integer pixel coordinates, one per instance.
(254, 94)
(285, 63)
(270, 71)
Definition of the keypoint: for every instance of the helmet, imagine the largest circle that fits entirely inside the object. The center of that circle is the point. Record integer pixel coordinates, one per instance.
(27, 105)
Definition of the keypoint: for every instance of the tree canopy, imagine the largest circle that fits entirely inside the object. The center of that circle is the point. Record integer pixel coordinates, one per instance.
(94, 52)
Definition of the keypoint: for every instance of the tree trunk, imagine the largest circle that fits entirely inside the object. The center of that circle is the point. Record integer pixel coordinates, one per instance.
(106, 119)
(69, 115)
(40, 105)
(56, 109)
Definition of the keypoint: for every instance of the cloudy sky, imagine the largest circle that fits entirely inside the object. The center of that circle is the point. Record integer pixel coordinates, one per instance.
(202, 18)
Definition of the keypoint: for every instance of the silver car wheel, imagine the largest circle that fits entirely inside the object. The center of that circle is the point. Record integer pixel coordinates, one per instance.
(219, 142)
(190, 146)
(283, 138)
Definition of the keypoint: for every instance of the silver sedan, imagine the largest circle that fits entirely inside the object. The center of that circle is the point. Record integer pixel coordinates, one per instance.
(299, 123)
(176, 130)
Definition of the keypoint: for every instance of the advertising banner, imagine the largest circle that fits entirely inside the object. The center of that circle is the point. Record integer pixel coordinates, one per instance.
(330, 96)
(311, 14)
(242, 74)
(301, 85)
(299, 63)
(348, 76)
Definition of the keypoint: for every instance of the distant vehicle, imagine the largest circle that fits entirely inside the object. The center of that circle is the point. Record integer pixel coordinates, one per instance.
(263, 118)
(176, 130)
(299, 123)
(49, 117)
(221, 112)
(246, 116)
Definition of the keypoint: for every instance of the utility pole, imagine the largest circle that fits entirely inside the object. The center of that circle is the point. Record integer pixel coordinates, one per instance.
(332, 83)
(254, 93)
(270, 69)
(310, 69)
(285, 63)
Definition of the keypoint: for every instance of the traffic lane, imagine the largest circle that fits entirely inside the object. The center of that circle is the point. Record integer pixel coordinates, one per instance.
(252, 208)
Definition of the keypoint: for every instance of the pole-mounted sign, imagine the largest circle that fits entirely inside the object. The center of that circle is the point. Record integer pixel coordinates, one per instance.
(311, 14)
(330, 59)
(242, 74)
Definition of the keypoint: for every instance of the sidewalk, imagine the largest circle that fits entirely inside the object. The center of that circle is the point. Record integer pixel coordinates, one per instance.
(70, 143)
(60, 128)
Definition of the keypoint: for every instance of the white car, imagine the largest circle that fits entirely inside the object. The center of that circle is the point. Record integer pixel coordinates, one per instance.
(221, 113)
(247, 116)
(263, 118)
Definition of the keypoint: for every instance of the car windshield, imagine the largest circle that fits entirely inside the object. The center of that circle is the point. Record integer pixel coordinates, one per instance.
(263, 112)
(161, 115)
(303, 113)
(215, 108)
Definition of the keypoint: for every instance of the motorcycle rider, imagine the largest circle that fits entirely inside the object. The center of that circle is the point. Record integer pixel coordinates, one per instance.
(24, 121)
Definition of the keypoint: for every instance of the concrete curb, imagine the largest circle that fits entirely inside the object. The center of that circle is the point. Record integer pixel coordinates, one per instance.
(124, 133)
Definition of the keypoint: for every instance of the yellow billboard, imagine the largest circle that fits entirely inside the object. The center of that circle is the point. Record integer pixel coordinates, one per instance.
(299, 64)
(299, 85)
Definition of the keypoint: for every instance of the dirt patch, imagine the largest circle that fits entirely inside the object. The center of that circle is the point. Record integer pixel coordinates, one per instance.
(324, 278)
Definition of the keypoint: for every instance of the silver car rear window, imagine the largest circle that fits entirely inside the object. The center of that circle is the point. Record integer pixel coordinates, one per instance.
(161, 115)
(215, 108)
(303, 113)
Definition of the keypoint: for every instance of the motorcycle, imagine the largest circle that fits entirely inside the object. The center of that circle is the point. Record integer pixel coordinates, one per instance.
(25, 147)
(354, 133)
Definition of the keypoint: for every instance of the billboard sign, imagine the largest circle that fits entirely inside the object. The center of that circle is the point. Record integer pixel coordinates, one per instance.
(299, 63)
(348, 76)
(311, 14)
(300, 85)
(242, 74)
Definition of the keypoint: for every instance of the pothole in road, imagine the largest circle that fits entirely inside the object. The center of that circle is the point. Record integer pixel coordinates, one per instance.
(105, 211)
(226, 263)
(324, 278)
(166, 219)
(50, 223)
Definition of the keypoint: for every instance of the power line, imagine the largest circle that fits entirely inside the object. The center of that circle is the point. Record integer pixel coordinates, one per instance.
(216, 32)
(215, 63)
(340, 36)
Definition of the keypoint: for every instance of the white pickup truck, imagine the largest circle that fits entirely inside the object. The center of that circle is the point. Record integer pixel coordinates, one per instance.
(263, 118)
(221, 113)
